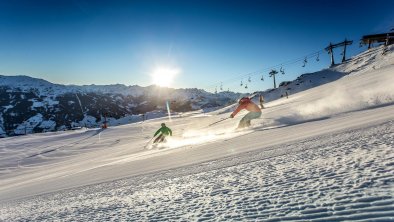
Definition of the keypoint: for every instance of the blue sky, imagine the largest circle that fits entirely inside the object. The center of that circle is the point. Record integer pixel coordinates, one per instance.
(108, 42)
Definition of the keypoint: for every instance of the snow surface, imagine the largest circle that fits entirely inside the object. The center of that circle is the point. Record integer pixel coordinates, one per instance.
(324, 154)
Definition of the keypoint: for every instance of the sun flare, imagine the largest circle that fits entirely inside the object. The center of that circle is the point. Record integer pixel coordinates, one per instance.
(164, 76)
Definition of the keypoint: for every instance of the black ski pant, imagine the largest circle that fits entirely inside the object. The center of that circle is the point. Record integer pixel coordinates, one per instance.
(159, 139)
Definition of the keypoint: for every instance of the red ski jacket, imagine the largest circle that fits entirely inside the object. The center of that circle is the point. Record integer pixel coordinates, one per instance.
(251, 107)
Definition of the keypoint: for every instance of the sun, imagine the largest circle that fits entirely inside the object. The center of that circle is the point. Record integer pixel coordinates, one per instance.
(164, 76)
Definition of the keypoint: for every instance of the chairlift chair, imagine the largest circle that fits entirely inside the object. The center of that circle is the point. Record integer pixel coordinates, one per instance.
(282, 70)
(305, 62)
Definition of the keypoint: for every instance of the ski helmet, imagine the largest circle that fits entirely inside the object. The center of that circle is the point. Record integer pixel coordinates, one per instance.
(163, 124)
(244, 100)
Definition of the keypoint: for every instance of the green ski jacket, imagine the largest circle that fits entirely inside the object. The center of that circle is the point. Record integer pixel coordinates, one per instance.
(165, 131)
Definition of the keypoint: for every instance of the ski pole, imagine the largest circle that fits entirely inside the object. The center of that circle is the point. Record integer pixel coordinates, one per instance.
(218, 121)
(148, 142)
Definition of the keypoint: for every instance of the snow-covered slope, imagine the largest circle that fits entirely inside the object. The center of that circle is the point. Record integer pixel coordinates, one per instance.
(324, 154)
(374, 58)
(302, 83)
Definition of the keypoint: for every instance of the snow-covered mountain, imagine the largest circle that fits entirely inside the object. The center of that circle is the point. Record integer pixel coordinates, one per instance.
(323, 154)
(34, 105)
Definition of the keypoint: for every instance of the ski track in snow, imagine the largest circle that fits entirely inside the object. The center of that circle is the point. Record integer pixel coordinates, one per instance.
(335, 177)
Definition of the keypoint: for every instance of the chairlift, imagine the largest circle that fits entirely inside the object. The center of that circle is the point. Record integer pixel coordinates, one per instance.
(246, 86)
(305, 62)
(242, 83)
(249, 79)
(282, 70)
(317, 58)
(262, 77)
(216, 90)
(221, 86)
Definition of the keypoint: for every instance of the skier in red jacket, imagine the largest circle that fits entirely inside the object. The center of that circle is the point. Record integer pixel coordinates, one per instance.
(254, 112)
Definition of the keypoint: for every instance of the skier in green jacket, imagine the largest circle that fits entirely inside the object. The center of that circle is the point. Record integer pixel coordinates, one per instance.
(165, 131)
